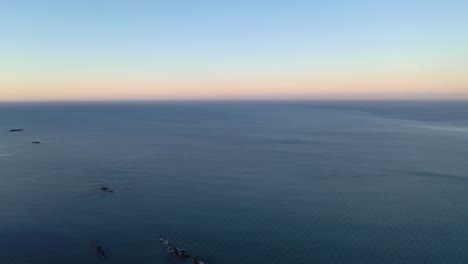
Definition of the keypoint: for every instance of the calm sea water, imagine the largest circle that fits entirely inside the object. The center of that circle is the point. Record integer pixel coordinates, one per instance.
(291, 182)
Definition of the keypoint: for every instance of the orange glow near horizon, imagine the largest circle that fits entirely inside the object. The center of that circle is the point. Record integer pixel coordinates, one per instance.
(379, 88)
(401, 81)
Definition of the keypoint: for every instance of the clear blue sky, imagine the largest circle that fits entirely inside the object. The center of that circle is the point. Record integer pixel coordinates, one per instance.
(230, 48)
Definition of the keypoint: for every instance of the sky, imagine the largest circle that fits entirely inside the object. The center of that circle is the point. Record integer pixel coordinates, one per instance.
(54, 50)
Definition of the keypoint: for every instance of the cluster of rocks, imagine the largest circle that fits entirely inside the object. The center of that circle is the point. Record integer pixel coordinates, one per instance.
(171, 249)
(178, 252)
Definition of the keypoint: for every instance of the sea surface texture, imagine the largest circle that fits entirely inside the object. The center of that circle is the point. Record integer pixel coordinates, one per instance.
(235, 182)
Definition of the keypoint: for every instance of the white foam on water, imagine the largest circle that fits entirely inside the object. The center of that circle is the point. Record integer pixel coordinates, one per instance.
(6, 154)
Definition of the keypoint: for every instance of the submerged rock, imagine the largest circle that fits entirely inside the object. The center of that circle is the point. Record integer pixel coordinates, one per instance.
(101, 252)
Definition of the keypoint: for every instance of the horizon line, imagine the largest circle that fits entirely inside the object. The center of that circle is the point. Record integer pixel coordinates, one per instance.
(227, 100)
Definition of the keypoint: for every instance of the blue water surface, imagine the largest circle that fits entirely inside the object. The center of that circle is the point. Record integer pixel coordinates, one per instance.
(235, 182)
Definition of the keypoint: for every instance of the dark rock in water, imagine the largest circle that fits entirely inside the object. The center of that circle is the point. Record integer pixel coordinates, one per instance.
(36, 142)
(106, 189)
(101, 252)
(198, 261)
(184, 253)
(179, 252)
(16, 130)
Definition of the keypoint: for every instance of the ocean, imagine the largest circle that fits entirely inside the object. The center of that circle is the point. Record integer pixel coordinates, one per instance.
(235, 182)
